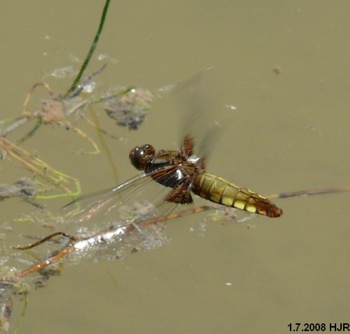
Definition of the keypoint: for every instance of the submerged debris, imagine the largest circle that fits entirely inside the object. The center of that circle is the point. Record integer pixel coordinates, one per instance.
(22, 187)
(130, 109)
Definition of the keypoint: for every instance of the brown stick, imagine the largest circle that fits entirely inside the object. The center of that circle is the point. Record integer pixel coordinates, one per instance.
(74, 241)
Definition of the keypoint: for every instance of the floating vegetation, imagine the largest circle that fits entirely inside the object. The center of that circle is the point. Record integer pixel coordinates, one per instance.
(47, 176)
(56, 111)
(124, 237)
(22, 187)
(130, 109)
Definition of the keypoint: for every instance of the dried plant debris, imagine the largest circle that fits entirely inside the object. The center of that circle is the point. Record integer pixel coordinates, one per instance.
(130, 109)
(61, 110)
(22, 187)
(42, 171)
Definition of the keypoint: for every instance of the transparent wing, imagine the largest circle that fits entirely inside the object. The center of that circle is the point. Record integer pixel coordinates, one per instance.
(111, 224)
(197, 100)
(137, 199)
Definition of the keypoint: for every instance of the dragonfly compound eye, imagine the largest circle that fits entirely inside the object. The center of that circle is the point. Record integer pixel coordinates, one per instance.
(141, 155)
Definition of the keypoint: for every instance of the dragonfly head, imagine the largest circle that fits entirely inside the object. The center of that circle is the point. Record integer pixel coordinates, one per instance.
(141, 155)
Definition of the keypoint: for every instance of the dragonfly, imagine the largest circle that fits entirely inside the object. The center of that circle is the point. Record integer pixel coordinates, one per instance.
(185, 173)
(130, 216)
(180, 174)
(171, 178)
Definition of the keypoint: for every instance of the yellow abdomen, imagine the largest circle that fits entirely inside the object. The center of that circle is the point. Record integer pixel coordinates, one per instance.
(219, 190)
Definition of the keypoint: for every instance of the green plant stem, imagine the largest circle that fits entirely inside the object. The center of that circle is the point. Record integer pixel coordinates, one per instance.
(91, 51)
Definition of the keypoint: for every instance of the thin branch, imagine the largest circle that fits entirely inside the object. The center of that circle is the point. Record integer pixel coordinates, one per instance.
(310, 192)
(80, 244)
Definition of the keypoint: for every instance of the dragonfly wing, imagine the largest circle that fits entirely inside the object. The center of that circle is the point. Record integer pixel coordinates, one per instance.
(139, 198)
(197, 99)
(109, 223)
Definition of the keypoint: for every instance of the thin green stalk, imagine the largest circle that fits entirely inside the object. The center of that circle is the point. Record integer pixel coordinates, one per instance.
(91, 51)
